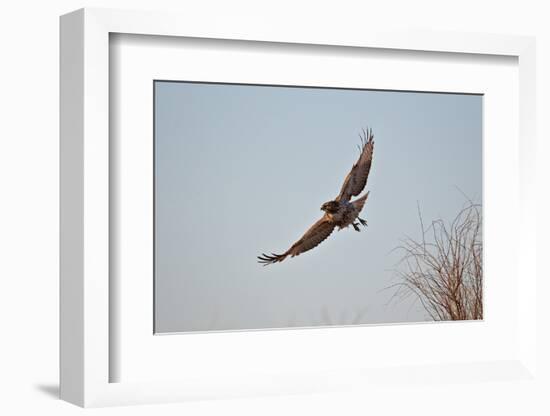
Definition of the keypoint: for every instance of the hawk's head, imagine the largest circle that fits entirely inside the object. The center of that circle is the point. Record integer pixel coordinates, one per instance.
(330, 207)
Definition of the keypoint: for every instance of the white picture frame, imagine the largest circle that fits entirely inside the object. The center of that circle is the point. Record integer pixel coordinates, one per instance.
(86, 303)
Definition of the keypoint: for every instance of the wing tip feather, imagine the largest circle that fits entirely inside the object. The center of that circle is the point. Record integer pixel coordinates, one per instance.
(266, 259)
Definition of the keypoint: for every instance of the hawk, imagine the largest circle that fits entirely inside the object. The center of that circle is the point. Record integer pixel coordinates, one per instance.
(340, 212)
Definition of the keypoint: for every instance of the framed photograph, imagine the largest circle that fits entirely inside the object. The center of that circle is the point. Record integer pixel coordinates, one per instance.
(271, 211)
(230, 158)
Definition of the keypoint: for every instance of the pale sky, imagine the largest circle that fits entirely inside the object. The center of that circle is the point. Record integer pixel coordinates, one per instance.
(242, 170)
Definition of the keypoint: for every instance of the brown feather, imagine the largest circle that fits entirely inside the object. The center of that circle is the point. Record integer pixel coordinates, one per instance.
(357, 178)
(314, 236)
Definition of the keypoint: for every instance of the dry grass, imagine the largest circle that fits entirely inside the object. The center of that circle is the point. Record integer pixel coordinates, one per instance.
(444, 269)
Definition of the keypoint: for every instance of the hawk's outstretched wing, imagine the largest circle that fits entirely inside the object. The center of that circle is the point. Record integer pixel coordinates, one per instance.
(357, 178)
(312, 238)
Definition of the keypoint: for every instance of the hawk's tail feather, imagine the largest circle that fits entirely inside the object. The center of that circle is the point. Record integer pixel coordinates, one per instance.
(359, 203)
(272, 258)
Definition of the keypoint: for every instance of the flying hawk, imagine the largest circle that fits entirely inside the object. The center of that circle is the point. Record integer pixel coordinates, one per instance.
(341, 212)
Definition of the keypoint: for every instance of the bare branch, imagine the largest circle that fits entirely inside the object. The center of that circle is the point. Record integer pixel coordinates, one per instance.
(444, 270)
